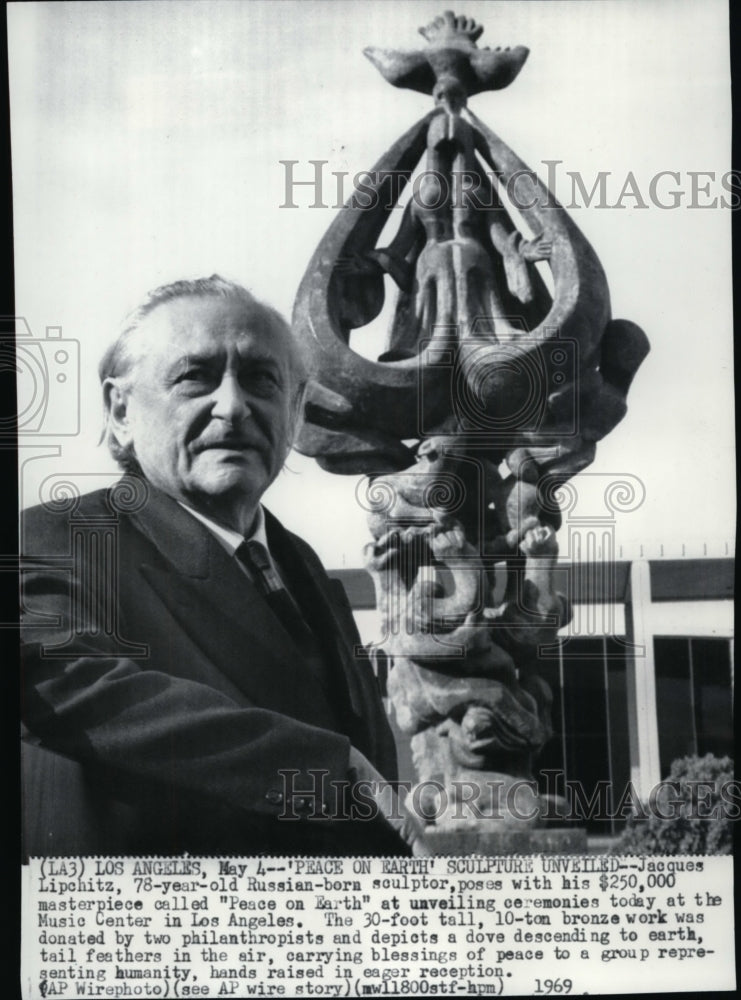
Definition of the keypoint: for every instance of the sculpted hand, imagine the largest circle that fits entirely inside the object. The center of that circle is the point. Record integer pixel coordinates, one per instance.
(539, 541)
(538, 249)
(408, 826)
(448, 540)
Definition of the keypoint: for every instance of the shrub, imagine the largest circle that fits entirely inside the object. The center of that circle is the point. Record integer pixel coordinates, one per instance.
(700, 822)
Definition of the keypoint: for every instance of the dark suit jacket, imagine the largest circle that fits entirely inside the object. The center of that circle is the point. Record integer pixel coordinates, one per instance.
(162, 698)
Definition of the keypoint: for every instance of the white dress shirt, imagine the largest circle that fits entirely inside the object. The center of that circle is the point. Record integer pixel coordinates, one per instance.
(230, 539)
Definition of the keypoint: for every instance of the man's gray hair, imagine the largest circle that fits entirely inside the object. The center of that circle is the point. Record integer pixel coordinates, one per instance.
(119, 359)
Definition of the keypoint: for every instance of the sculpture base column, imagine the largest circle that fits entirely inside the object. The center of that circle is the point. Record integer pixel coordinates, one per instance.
(481, 839)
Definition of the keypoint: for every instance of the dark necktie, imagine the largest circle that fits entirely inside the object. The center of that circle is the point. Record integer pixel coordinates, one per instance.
(255, 559)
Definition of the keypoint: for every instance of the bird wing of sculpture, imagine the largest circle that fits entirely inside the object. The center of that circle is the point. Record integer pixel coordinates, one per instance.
(402, 69)
(497, 68)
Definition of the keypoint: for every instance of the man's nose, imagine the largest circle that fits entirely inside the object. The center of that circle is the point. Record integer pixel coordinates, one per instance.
(230, 400)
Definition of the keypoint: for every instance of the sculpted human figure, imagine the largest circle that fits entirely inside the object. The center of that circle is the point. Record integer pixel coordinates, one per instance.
(458, 261)
(460, 679)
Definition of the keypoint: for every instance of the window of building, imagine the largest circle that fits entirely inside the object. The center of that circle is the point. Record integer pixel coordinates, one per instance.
(694, 697)
(590, 721)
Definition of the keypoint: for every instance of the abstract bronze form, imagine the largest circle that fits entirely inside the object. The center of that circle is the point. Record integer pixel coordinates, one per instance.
(502, 369)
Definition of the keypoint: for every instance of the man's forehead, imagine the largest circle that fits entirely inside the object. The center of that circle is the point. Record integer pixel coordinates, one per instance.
(210, 325)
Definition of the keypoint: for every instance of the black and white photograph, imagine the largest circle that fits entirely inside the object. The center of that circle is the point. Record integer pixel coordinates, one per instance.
(376, 472)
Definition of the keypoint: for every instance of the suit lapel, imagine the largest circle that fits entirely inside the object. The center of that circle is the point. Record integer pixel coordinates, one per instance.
(221, 609)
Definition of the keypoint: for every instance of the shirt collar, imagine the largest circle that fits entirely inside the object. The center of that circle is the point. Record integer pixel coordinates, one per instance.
(227, 537)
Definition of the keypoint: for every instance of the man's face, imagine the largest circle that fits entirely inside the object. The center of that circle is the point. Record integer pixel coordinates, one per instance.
(209, 403)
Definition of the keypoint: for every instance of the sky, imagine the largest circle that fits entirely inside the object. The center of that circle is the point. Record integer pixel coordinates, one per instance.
(147, 140)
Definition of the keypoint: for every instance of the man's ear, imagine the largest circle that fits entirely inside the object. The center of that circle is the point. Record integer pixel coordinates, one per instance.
(116, 405)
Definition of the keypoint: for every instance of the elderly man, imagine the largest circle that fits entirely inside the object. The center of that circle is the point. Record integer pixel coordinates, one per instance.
(204, 696)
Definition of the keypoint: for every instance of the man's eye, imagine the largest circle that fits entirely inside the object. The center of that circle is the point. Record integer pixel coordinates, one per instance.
(262, 381)
(194, 375)
(194, 380)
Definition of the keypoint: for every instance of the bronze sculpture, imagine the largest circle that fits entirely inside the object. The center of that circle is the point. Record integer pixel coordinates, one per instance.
(502, 369)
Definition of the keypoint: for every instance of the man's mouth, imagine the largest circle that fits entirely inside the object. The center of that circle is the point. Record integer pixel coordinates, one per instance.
(235, 445)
